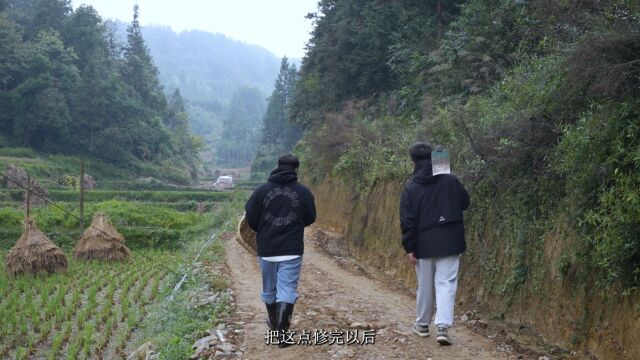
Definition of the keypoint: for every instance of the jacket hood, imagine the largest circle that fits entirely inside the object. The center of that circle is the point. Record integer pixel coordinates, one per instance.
(283, 175)
(423, 172)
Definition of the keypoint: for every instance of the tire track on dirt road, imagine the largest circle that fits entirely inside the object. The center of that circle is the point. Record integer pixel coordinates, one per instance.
(334, 298)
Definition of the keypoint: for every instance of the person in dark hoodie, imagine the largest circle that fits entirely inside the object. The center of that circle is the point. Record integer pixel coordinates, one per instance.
(433, 236)
(278, 211)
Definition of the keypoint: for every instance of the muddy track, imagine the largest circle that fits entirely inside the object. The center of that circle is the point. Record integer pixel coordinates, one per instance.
(332, 297)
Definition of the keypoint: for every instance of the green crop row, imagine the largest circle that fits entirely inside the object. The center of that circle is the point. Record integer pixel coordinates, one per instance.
(144, 224)
(16, 195)
(183, 206)
(77, 311)
(141, 224)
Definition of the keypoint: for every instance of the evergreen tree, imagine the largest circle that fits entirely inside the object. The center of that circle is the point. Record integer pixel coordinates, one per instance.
(139, 70)
(279, 134)
(36, 15)
(177, 121)
(240, 134)
(87, 34)
(43, 118)
(12, 58)
(346, 55)
(273, 123)
(176, 116)
(360, 49)
(292, 132)
(144, 129)
(94, 104)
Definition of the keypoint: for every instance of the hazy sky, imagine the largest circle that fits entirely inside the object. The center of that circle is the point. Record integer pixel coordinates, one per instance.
(278, 25)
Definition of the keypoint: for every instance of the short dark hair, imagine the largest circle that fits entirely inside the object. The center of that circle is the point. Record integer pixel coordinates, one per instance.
(420, 151)
(289, 160)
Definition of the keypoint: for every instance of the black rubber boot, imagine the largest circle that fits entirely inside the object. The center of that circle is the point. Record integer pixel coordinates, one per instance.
(283, 316)
(271, 316)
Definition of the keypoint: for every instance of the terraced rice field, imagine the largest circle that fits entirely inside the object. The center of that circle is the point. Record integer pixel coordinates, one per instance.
(90, 312)
(99, 310)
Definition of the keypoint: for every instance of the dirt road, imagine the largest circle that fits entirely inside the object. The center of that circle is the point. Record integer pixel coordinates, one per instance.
(332, 297)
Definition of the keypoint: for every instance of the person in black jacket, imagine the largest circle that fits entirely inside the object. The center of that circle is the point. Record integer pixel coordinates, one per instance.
(278, 211)
(433, 236)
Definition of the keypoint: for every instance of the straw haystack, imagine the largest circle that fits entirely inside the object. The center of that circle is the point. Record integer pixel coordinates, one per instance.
(101, 241)
(34, 253)
(247, 237)
(16, 177)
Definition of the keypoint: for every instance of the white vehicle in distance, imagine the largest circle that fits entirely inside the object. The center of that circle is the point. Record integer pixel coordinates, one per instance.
(224, 183)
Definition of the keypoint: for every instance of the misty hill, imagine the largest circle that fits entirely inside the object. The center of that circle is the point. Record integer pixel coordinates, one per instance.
(208, 69)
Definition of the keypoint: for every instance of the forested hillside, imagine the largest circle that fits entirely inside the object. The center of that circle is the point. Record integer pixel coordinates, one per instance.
(210, 70)
(210, 67)
(68, 86)
(538, 102)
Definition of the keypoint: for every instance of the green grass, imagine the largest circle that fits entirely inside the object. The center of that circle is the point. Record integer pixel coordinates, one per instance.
(17, 153)
(173, 326)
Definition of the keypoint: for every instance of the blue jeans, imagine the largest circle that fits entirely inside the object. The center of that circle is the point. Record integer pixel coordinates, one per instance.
(280, 280)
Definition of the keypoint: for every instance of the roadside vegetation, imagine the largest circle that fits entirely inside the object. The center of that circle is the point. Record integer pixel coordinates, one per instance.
(536, 100)
(537, 103)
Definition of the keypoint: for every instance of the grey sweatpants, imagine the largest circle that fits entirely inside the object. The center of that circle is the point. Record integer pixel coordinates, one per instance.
(439, 274)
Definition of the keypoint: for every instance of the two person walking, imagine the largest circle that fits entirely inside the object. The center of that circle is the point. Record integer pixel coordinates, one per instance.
(432, 235)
